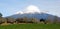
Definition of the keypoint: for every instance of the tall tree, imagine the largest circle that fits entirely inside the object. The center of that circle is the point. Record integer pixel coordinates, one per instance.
(1, 18)
(0, 15)
(55, 19)
(49, 19)
(25, 19)
(10, 20)
(34, 20)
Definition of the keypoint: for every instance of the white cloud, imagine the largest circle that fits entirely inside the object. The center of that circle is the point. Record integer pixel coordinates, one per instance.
(30, 9)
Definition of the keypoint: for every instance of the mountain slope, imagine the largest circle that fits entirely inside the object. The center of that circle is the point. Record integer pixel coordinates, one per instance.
(35, 15)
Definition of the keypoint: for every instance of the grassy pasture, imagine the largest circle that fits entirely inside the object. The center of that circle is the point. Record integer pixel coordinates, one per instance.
(30, 26)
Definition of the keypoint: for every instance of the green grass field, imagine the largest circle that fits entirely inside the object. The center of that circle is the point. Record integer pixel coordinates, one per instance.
(31, 26)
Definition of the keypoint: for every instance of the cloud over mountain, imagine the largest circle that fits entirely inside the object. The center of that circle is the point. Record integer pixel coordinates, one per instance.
(30, 9)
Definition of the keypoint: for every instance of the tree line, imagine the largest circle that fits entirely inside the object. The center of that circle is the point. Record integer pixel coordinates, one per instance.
(25, 20)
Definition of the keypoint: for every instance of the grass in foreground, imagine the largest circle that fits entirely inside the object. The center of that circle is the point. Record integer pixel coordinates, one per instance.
(31, 26)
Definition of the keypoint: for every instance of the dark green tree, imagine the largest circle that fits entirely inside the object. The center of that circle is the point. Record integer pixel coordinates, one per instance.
(34, 20)
(11, 20)
(25, 19)
(0, 15)
(55, 19)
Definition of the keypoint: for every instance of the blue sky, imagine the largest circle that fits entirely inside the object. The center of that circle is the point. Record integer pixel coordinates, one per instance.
(10, 7)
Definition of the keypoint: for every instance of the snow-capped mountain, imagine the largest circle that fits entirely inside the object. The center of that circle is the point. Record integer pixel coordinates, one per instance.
(32, 12)
(32, 15)
(35, 15)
